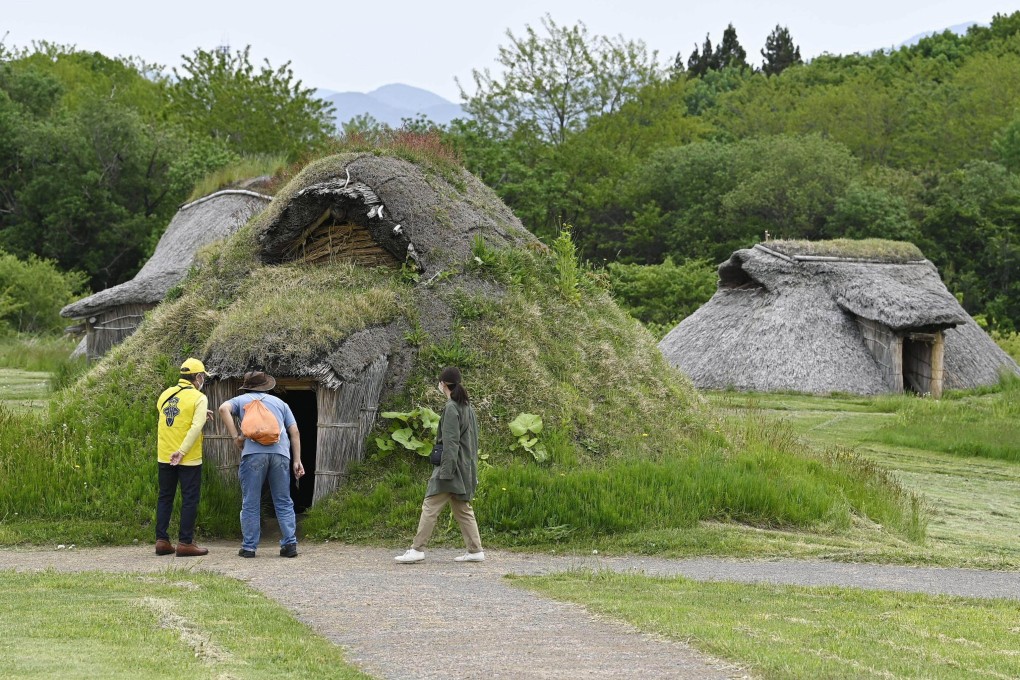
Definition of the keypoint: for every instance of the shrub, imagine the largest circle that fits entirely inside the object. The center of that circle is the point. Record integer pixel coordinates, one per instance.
(662, 295)
(32, 293)
(1009, 342)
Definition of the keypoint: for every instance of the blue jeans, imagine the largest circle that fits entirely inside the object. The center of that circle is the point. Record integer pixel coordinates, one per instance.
(255, 468)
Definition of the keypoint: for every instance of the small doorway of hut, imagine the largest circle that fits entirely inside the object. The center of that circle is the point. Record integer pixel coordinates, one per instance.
(300, 396)
(922, 363)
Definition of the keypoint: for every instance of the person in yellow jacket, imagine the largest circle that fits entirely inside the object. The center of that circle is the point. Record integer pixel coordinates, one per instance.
(183, 411)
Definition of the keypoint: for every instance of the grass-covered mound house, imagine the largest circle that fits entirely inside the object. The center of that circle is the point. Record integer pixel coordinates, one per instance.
(354, 287)
(111, 315)
(864, 317)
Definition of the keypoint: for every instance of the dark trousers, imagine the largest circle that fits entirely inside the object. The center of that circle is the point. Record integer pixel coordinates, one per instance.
(190, 479)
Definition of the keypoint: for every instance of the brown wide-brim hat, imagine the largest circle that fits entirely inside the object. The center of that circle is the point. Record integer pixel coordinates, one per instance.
(257, 381)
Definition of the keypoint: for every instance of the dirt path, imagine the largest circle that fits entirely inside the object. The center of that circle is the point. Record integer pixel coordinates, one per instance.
(442, 619)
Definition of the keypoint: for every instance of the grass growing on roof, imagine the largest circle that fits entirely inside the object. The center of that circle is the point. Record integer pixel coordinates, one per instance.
(878, 249)
(302, 312)
(245, 168)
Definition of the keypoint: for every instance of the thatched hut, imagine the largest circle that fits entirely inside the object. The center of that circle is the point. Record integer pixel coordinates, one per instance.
(863, 318)
(335, 239)
(111, 315)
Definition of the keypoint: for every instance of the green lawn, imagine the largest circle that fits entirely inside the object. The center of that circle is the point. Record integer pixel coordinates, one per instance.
(178, 624)
(792, 632)
(974, 501)
(24, 390)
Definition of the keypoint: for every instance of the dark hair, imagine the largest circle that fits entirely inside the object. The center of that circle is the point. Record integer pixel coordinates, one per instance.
(451, 376)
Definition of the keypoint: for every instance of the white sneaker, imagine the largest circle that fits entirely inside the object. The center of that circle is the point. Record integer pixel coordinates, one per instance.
(471, 557)
(410, 557)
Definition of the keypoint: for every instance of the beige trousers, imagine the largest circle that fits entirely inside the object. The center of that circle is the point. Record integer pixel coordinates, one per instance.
(462, 512)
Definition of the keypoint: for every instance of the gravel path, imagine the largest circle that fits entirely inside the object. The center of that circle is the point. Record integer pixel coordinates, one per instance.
(442, 619)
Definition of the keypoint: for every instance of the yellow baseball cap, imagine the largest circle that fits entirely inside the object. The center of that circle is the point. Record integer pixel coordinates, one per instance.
(192, 367)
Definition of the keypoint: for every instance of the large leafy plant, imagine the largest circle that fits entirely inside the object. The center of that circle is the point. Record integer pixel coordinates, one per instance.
(526, 427)
(415, 431)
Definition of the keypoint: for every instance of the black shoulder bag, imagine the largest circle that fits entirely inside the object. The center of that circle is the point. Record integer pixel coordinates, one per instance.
(437, 454)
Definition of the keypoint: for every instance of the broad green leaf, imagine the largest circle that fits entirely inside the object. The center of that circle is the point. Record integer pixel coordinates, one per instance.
(395, 414)
(429, 418)
(405, 437)
(526, 422)
(426, 449)
(528, 443)
(385, 444)
(540, 454)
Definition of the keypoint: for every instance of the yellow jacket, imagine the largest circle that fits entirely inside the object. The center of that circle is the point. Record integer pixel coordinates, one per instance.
(182, 414)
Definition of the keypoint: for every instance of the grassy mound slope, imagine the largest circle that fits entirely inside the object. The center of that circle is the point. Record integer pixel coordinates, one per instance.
(632, 446)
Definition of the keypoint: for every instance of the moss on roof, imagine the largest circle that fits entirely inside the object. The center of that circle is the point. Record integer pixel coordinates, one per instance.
(870, 249)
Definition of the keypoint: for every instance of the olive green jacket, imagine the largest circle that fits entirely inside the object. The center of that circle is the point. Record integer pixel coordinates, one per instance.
(458, 433)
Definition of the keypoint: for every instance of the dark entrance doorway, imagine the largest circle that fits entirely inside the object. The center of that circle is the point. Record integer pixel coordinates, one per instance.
(918, 362)
(302, 402)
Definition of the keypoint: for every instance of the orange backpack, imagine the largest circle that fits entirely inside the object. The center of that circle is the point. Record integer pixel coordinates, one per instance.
(259, 424)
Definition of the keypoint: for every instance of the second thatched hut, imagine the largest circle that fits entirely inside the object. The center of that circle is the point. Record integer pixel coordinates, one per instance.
(857, 317)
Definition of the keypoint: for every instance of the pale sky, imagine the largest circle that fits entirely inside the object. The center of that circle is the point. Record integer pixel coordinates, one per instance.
(360, 46)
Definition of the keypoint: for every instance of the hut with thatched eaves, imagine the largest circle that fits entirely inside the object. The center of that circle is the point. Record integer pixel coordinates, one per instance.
(864, 317)
(111, 315)
(320, 307)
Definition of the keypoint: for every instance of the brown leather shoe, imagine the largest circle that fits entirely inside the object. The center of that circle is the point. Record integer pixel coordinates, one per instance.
(164, 547)
(190, 550)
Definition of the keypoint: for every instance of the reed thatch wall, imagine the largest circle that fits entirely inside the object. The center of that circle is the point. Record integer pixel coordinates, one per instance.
(111, 326)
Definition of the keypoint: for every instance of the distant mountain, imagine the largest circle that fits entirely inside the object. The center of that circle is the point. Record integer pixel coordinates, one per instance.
(391, 103)
(959, 29)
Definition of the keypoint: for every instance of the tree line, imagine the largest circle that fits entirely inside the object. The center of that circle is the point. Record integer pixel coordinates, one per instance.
(661, 170)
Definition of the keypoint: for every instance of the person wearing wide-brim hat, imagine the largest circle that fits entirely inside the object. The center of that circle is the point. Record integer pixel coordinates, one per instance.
(270, 454)
(182, 415)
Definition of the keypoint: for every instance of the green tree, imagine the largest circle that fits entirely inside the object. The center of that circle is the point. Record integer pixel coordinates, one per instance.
(780, 52)
(223, 96)
(700, 63)
(83, 161)
(554, 81)
(730, 53)
(706, 199)
(972, 232)
(662, 295)
(32, 293)
(1007, 145)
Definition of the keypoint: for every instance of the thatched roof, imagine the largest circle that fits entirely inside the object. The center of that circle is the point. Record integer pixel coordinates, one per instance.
(196, 224)
(425, 221)
(426, 218)
(782, 322)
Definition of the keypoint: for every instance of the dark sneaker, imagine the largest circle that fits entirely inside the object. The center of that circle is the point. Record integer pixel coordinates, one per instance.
(289, 550)
(246, 553)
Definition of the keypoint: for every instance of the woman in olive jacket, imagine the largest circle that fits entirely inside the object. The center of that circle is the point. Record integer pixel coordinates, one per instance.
(454, 480)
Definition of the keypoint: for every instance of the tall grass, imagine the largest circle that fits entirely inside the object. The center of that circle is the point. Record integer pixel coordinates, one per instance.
(92, 473)
(248, 167)
(967, 424)
(763, 479)
(47, 353)
(1009, 342)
